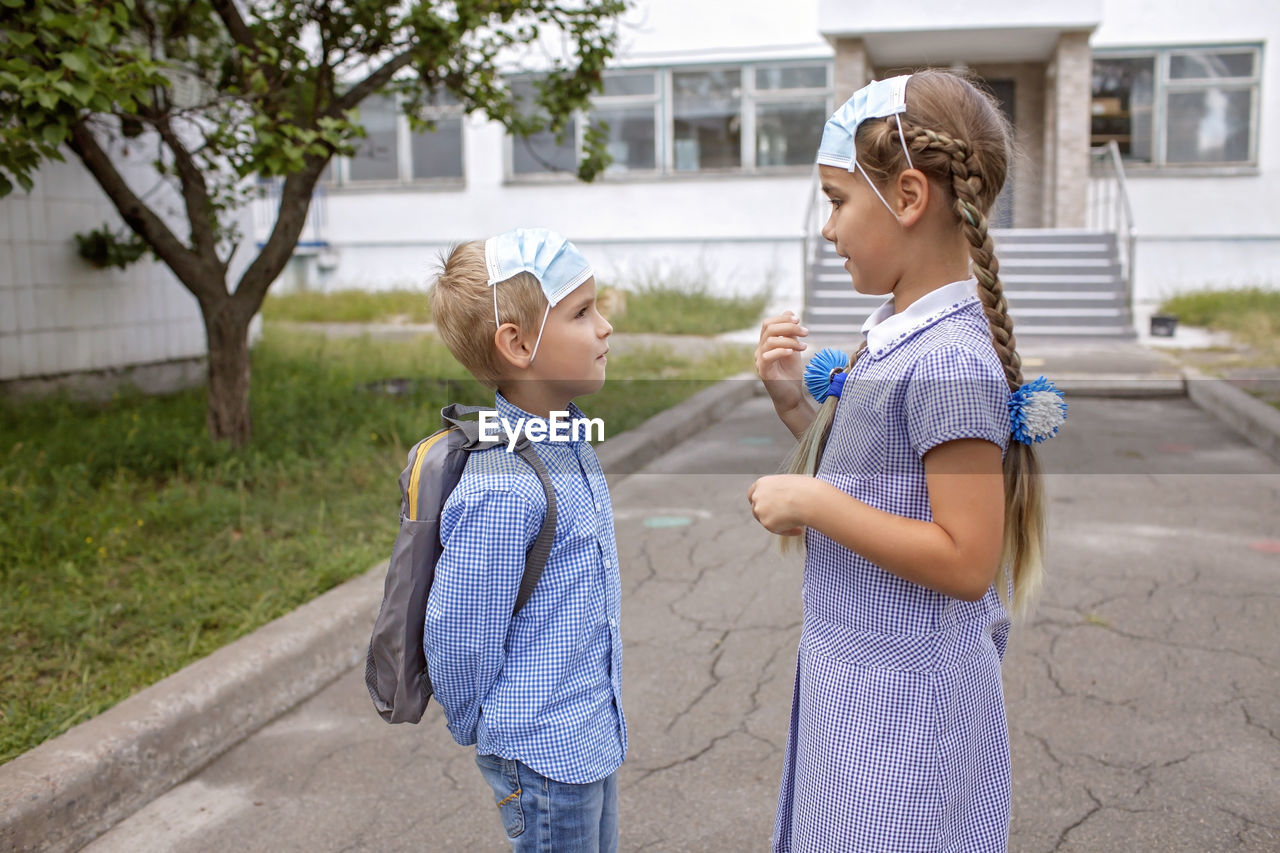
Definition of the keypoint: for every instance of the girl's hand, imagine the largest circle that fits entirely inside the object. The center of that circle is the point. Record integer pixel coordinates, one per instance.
(780, 502)
(779, 362)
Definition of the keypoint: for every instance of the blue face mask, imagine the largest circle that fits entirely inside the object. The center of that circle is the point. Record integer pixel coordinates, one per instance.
(555, 262)
(877, 99)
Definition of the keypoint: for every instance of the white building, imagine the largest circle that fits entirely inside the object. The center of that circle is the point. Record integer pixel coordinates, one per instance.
(714, 115)
(61, 318)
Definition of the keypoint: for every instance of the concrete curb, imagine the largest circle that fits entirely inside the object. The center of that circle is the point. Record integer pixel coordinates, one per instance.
(1252, 418)
(67, 791)
(1120, 386)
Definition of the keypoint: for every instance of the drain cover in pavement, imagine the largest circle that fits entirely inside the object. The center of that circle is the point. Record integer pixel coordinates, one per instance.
(667, 521)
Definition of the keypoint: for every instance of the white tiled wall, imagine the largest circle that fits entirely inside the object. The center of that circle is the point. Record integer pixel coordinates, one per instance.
(60, 315)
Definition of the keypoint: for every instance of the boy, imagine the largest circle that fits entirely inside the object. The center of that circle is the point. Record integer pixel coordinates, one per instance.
(539, 694)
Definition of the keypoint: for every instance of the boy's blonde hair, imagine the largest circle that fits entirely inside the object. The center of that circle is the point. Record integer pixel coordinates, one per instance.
(462, 308)
(962, 142)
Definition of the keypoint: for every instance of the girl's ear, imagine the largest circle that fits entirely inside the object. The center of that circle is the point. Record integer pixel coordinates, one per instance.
(913, 196)
(510, 345)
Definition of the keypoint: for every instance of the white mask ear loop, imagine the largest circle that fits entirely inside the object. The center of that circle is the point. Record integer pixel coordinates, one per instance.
(872, 184)
(496, 322)
(545, 314)
(902, 137)
(856, 166)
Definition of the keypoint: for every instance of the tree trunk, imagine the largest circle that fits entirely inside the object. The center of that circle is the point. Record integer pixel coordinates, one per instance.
(227, 332)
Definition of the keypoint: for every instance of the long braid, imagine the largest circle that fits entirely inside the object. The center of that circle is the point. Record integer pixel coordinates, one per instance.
(1021, 562)
(966, 183)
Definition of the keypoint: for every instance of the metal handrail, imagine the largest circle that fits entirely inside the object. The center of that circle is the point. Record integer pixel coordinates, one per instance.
(1109, 209)
(810, 228)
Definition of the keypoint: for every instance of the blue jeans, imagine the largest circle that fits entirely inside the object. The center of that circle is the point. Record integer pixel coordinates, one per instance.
(541, 815)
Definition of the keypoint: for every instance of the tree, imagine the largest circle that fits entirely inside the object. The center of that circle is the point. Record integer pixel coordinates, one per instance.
(236, 91)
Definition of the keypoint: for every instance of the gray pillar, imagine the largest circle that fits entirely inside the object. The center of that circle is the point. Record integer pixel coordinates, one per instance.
(1067, 130)
(853, 68)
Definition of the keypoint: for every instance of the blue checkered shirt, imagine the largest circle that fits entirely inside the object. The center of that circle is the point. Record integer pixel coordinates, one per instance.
(544, 687)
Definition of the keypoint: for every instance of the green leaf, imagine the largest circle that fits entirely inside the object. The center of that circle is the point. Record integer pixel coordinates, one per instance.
(77, 61)
(83, 92)
(53, 134)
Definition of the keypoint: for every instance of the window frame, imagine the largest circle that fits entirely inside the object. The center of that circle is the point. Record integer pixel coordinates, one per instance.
(341, 164)
(757, 97)
(749, 99)
(617, 102)
(1164, 85)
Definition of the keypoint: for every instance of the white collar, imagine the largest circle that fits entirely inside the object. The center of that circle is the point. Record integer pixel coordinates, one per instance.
(884, 329)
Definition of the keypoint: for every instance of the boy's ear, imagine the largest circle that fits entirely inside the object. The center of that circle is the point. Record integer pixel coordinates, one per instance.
(913, 196)
(511, 346)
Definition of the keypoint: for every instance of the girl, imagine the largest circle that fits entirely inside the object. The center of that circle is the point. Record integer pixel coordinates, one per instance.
(923, 514)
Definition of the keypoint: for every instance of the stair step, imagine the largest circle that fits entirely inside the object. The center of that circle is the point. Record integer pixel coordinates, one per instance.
(852, 298)
(1057, 282)
(1015, 311)
(855, 329)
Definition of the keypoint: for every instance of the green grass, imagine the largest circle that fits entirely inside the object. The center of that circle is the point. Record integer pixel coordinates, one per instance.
(1251, 315)
(680, 305)
(349, 306)
(685, 305)
(132, 545)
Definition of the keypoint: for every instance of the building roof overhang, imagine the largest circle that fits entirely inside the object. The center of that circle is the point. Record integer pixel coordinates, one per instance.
(942, 32)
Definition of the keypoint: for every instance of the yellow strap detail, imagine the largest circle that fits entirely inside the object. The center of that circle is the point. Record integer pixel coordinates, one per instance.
(417, 470)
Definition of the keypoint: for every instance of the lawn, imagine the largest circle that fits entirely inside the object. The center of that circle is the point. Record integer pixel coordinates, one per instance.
(1251, 315)
(133, 545)
(680, 306)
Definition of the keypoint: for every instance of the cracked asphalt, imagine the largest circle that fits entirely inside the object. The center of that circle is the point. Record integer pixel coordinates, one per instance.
(1143, 696)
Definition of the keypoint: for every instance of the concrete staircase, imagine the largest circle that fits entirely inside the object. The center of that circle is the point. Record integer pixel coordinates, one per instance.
(1057, 281)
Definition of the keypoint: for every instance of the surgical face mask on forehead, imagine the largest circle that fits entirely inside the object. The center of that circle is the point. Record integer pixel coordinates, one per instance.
(555, 262)
(877, 99)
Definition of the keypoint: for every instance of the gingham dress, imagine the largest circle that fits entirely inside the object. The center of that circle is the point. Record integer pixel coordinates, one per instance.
(898, 739)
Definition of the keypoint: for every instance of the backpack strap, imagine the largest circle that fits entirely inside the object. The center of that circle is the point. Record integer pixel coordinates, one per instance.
(456, 415)
(536, 560)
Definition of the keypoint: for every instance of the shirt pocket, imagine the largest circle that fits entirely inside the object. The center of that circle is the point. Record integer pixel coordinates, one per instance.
(856, 446)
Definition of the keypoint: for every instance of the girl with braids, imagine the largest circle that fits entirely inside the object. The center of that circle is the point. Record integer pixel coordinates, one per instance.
(921, 510)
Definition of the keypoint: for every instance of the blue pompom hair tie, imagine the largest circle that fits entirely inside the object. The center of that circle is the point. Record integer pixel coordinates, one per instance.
(824, 375)
(1037, 411)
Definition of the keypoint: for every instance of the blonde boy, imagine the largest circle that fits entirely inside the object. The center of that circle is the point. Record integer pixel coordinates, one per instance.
(539, 694)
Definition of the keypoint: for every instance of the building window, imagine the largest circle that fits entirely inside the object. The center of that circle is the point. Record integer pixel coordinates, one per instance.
(679, 121)
(395, 151)
(435, 146)
(375, 158)
(630, 108)
(542, 152)
(791, 107)
(707, 119)
(1179, 106)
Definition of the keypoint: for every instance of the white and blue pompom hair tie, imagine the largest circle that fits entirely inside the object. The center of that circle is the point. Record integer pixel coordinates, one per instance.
(1037, 411)
(555, 262)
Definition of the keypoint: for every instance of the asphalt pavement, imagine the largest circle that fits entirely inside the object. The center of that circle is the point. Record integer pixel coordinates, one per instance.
(1143, 696)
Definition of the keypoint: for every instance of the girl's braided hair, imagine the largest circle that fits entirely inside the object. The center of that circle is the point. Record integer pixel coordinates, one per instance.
(961, 141)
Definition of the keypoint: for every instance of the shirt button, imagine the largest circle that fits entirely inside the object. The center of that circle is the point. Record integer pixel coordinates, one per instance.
(613, 623)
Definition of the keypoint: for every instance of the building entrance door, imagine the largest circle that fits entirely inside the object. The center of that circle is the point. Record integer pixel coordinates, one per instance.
(1002, 214)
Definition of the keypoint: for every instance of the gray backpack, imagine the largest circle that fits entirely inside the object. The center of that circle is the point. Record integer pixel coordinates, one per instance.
(396, 667)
